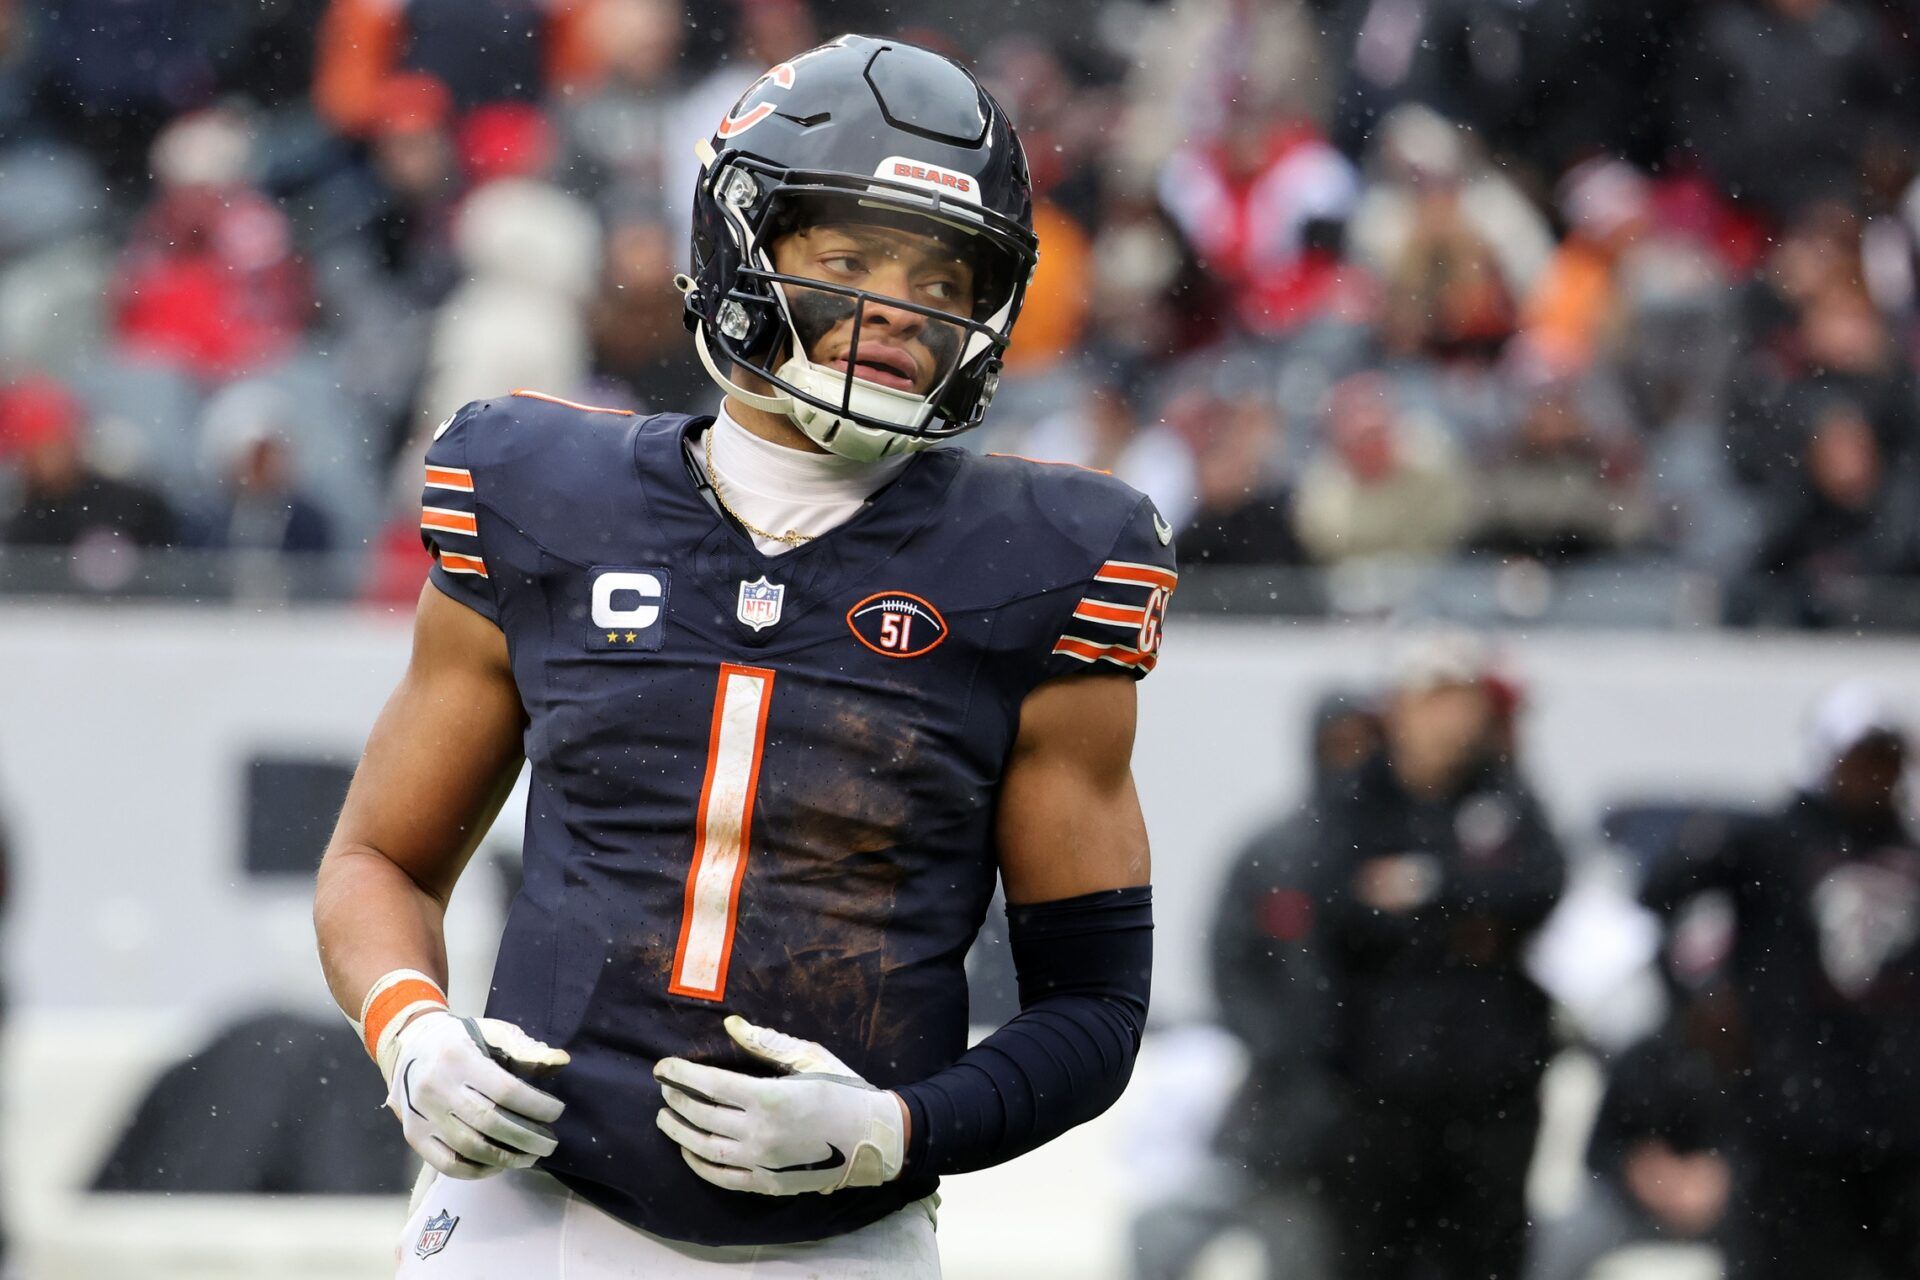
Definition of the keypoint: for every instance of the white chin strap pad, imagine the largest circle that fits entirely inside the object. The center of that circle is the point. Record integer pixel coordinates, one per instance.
(844, 436)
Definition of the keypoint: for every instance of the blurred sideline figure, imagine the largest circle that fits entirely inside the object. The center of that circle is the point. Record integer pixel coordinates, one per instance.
(1657, 1156)
(1434, 863)
(1822, 980)
(1274, 996)
(770, 779)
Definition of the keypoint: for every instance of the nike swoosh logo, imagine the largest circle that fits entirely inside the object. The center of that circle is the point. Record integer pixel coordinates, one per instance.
(1162, 530)
(835, 1158)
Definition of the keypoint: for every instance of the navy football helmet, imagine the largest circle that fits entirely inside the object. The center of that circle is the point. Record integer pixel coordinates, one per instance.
(873, 131)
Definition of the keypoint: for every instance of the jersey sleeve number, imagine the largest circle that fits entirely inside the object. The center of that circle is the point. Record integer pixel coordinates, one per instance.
(723, 831)
(1152, 619)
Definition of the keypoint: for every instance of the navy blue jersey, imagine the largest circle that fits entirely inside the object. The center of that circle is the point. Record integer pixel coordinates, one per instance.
(761, 785)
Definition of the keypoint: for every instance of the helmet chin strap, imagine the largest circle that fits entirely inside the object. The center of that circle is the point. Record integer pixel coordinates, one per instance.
(781, 403)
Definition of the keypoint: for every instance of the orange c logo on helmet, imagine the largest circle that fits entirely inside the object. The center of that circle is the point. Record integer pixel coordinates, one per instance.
(737, 121)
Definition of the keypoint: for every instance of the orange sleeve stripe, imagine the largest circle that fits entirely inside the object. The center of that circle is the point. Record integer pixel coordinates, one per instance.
(445, 520)
(1145, 575)
(1099, 611)
(571, 404)
(392, 1001)
(449, 478)
(453, 563)
(1087, 651)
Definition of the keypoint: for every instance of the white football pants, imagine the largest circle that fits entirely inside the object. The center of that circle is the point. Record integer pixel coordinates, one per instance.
(523, 1225)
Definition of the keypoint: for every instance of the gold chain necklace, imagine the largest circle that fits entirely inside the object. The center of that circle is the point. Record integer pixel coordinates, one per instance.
(792, 537)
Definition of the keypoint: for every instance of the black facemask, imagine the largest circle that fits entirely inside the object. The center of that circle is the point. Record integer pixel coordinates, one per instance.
(816, 312)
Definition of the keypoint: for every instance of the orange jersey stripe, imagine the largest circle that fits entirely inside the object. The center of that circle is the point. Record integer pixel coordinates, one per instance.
(446, 520)
(571, 404)
(720, 832)
(462, 564)
(1048, 462)
(1099, 611)
(393, 1000)
(450, 478)
(1145, 575)
(1087, 651)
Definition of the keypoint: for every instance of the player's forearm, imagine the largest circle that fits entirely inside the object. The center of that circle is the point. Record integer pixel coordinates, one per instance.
(371, 918)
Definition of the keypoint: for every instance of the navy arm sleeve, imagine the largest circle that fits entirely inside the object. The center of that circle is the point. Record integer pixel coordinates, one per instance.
(450, 517)
(1084, 966)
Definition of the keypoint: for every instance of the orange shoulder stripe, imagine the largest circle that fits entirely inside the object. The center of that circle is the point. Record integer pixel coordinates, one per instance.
(571, 404)
(455, 563)
(1048, 462)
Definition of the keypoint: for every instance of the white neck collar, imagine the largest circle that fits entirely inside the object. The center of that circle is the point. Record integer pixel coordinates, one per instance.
(749, 465)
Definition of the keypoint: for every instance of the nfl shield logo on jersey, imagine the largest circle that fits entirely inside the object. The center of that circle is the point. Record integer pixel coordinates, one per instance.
(759, 606)
(434, 1236)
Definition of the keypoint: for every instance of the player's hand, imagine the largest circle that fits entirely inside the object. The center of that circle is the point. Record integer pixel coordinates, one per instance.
(463, 1108)
(819, 1128)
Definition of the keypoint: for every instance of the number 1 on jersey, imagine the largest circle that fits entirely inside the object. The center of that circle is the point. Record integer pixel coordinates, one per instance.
(723, 830)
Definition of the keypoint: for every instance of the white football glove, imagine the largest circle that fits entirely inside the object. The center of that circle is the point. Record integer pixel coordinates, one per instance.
(452, 1082)
(820, 1128)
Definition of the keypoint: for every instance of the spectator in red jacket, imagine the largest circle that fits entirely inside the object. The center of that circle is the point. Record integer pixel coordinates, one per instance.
(209, 281)
(1256, 206)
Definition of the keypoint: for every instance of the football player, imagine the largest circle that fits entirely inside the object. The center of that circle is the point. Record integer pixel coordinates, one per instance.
(796, 680)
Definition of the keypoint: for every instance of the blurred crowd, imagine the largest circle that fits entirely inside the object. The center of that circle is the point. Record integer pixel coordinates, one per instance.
(1338, 282)
(1377, 953)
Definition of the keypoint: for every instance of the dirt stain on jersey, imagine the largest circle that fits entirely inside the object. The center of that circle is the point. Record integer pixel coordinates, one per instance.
(854, 796)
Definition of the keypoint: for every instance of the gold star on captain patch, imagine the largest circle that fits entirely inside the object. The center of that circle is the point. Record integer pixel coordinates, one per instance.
(612, 636)
(632, 636)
